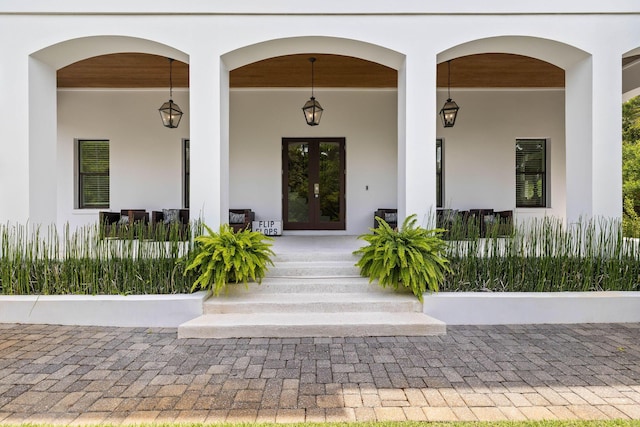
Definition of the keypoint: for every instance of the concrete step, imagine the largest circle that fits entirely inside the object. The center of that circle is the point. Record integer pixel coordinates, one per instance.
(313, 302)
(305, 285)
(349, 324)
(313, 269)
(313, 289)
(303, 256)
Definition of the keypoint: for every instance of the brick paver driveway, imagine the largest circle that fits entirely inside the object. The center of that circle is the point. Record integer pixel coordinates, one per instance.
(123, 375)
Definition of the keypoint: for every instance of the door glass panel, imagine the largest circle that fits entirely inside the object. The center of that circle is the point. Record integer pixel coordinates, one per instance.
(298, 185)
(329, 179)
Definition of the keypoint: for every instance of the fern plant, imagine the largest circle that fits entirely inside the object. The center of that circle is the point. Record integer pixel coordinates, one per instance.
(228, 257)
(412, 256)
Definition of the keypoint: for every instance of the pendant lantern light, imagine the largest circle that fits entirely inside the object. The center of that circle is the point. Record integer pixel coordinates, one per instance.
(312, 109)
(170, 112)
(449, 110)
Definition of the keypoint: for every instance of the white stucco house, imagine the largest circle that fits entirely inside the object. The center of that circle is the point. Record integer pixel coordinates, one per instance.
(546, 77)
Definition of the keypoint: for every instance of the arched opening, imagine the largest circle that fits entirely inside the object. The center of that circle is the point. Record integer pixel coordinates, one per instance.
(508, 103)
(539, 108)
(106, 90)
(631, 142)
(358, 90)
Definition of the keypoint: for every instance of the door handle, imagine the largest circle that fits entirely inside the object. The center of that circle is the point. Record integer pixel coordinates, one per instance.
(316, 190)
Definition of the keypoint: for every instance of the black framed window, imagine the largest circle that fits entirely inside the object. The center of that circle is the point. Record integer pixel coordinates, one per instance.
(439, 175)
(531, 173)
(185, 173)
(93, 174)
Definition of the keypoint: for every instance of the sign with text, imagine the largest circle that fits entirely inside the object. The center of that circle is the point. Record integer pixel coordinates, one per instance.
(268, 227)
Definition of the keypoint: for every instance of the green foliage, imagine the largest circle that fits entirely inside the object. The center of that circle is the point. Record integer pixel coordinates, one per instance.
(537, 256)
(631, 120)
(225, 257)
(630, 219)
(411, 257)
(83, 262)
(544, 255)
(631, 165)
(631, 173)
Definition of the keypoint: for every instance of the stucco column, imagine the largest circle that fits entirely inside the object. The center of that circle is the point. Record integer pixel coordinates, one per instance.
(14, 140)
(28, 167)
(43, 196)
(417, 137)
(593, 137)
(607, 134)
(208, 148)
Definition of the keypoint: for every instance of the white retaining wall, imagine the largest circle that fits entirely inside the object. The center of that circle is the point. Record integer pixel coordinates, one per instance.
(168, 311)
(476, 308)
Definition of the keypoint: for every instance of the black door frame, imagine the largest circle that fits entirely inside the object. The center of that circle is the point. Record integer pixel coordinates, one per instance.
(314, 203)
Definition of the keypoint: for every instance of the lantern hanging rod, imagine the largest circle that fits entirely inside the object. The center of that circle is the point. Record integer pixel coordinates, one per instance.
(312, 60)
(449, 79)
(171, 77)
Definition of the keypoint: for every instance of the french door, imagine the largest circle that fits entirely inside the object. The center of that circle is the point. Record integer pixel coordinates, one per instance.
(313, 183)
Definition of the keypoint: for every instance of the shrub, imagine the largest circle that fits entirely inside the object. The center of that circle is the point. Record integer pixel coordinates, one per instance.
(411, 257)
(225, 257)
(630, 219)
(35, 261)
(545, 255)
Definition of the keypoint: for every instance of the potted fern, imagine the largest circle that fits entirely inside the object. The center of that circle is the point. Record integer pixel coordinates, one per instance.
(229, 257)
(412, 256)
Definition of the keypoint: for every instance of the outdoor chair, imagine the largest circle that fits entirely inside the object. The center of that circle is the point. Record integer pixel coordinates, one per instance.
(241, 219)
(164, 223)
(479, 219)
(119, 224)
(446, 218)
(389, 215)
(503, 220)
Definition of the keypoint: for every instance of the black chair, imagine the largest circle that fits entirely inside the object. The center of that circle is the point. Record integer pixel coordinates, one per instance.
(389, 215)
(166, 220)
(119, 224)
(241, 219)
(502, 224)
(480, 218)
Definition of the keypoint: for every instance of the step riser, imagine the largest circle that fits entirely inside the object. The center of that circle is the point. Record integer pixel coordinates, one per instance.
(297, 331)
(300, 287)
(316, 257)
(312, 307)
(283, 270)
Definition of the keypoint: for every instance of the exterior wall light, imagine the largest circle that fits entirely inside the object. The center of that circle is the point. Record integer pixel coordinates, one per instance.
(449, 110)
(170, 112)
(312, 109)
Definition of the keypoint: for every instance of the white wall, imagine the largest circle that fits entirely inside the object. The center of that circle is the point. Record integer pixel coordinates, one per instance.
(146, 169)
(479, 151)
(367, 119)
(145, 157)
(69, 30)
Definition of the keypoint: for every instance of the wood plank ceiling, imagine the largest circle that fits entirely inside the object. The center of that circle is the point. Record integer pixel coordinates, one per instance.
(138, 70)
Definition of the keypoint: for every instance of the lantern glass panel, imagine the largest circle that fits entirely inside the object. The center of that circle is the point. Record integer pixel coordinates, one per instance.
(448, 113)
(170, 114)
(312, 112)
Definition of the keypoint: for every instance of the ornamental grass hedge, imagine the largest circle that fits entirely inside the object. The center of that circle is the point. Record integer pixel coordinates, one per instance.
(539, 256)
